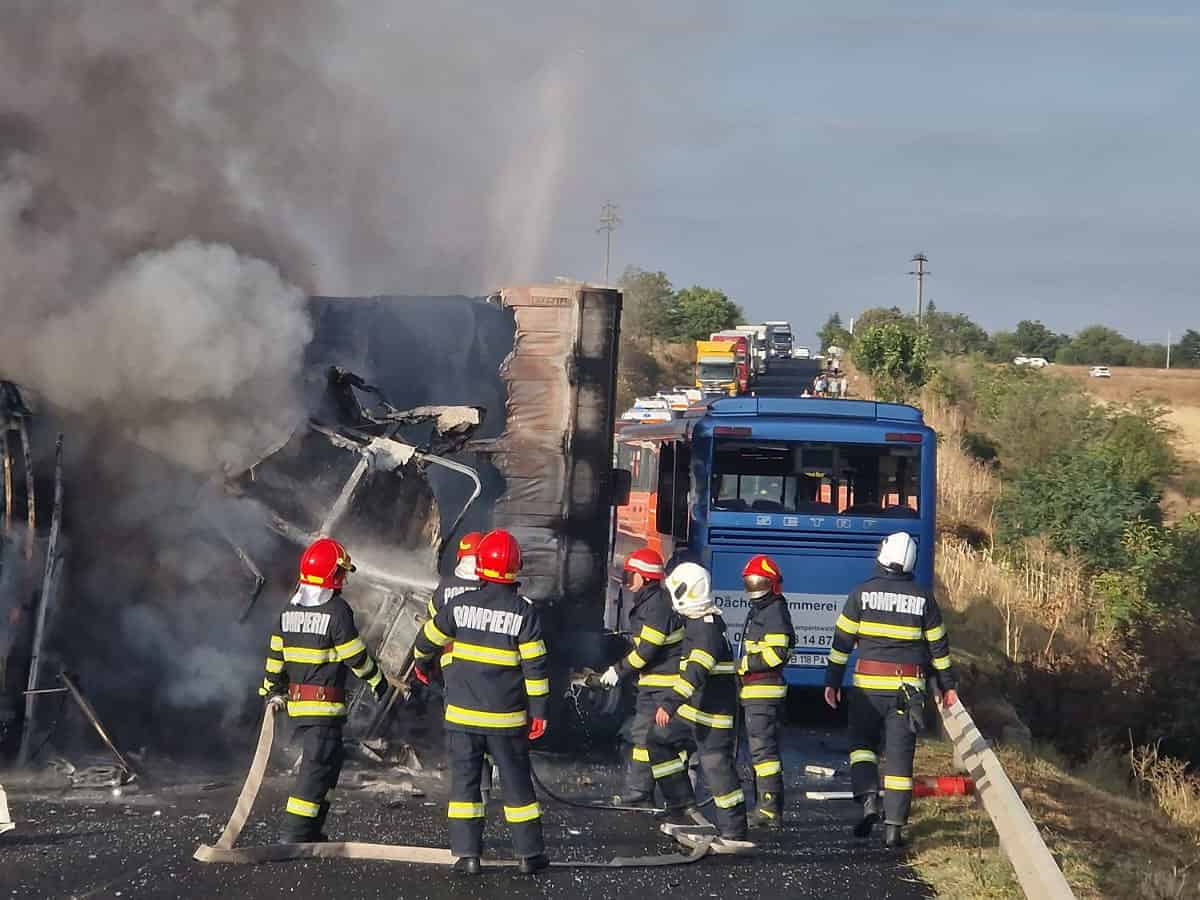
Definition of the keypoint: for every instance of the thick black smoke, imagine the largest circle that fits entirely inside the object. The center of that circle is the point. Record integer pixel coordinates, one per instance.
(175, 177)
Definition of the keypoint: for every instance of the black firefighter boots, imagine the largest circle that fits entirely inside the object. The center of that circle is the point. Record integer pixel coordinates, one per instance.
(531, 865)
(893, 837)
(872, 808)
(768, 813)
(467, 865)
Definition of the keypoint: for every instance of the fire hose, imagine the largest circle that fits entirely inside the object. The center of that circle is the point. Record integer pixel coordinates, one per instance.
(652, 810)
(223, 850)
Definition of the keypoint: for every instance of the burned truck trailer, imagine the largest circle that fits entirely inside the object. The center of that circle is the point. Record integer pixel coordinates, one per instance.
(392, 467)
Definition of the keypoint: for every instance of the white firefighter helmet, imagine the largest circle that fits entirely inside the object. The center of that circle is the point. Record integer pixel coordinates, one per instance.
(898, 552)
(691, 590)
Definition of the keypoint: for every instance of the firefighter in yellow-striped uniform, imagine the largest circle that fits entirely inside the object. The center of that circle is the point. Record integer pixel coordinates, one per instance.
(654, 659)
(901, 639)
(496, 695)
(704, 696)
(313, 646)
(767, 646)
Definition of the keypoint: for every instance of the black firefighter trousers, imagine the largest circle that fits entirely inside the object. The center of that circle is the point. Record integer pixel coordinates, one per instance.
(878, 722)
(466, 811)
(715, 749)
(672, 743)
(762, 736)
(320, 768)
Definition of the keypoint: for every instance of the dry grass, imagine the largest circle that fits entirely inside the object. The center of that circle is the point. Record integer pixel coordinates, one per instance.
(1030, 602)
(1174, 387)
(1109, 845)
(1168, 781)
(967, 489)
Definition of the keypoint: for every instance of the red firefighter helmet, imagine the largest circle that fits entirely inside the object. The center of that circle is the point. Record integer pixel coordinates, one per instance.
(469, 543)
(645, 562)
(325, 563)
(498, 557)
(761, 577)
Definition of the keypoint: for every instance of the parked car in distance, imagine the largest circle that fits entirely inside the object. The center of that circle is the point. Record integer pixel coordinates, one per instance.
(1036, 362)
(1099, 372)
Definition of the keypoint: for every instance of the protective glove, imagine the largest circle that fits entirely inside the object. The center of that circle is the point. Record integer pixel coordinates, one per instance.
(381, 689)
(610, 677)
(537, 728)
(276, 702)
(421, 675)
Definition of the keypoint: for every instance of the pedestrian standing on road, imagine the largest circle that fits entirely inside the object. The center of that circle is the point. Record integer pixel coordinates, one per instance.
(766, 647)
(898, 629)
(314, 644)
(704, 696)
(654, 658)
(496, 694)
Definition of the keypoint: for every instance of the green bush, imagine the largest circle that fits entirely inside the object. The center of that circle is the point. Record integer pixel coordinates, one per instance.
(896, 359)
(1081, 501)
(1189, 485)
(1030, 415)
(1139, 439)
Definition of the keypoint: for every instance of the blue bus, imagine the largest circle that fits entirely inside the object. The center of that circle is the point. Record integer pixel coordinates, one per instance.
(816, 484)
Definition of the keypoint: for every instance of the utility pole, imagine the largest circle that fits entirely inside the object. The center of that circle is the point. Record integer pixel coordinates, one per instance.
(920, 272)
(609, 220)
(1168, 348)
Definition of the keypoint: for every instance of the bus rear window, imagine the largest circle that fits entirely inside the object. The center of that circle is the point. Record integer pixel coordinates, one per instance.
(816, 478)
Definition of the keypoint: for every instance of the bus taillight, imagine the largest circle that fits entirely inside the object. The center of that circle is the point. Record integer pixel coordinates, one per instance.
(732, 431)
(907, 437)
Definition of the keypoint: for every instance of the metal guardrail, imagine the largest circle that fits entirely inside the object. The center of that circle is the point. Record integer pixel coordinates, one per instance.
(1036, 869)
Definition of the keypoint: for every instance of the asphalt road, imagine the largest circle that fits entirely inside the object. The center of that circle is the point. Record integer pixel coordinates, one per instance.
(77, 844)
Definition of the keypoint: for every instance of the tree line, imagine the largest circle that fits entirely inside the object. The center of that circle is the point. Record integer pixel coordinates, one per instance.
(954, 334)
(655, 310)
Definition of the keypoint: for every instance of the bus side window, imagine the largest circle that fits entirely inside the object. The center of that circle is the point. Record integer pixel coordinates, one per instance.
(683, 487)
(674, 481)
(666, 488)
(622, 486)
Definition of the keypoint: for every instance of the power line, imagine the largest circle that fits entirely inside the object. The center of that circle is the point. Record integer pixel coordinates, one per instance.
(920, 272)
(609, 220)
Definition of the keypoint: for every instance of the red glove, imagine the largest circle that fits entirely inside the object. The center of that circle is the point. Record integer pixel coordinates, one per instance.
(421, 675)
(536, 729)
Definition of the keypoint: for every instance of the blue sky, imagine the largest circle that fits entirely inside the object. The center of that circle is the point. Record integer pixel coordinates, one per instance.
(1046, 159)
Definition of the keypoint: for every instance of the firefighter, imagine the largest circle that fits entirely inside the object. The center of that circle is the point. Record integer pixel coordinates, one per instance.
(704, 696)
(496, 695)
(658, 639)
(462, 580)
(315, 642)
(898, 629)
(766, 647)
